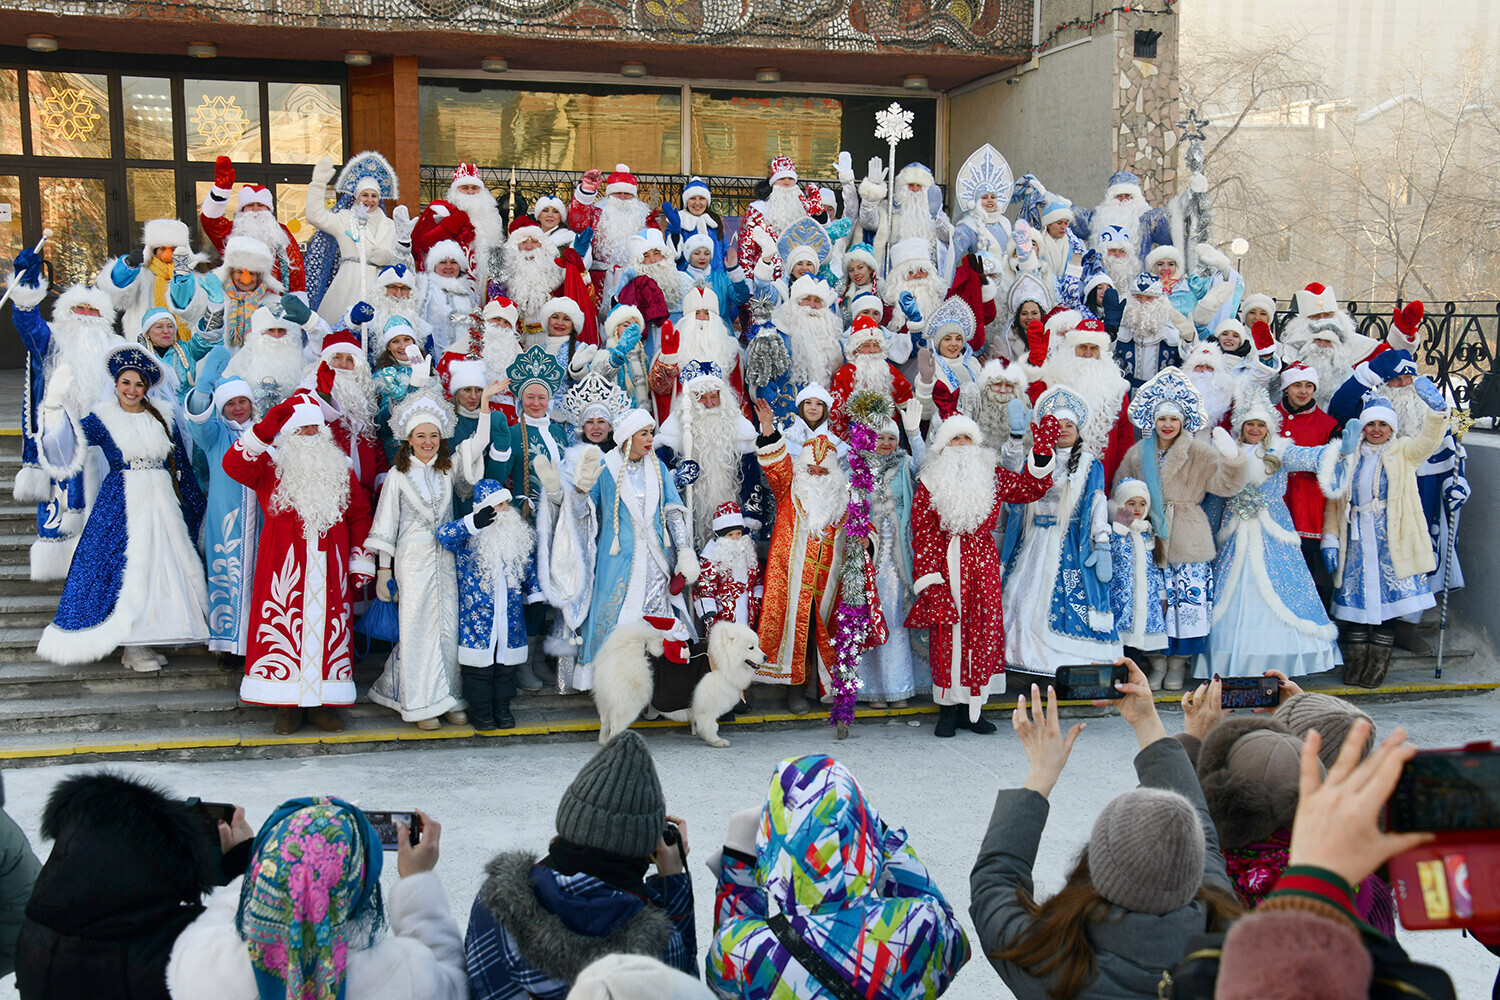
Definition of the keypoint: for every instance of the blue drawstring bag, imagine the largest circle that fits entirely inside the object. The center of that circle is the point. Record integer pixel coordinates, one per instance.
(382, 623)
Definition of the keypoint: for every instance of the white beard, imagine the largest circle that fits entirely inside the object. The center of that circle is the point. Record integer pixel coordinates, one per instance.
(619, 219)
(1121, 271)
(1146, 322)
(312, 478)
(980, 404)
(1331, 364)
(80, 342)
(504, 548)
(1217, 389)
(263, 359)
(913, 219)
(707, 340)
(260, 226)
(1126, 214)
(814, 333)
(929, 293)
(823, 500)
(484, 216)
(530, 277)
(386, 309)
(354, 391)
(1411, 411)
(715, 447)
(1103, 388)
(735, 557)
(872, 372)
(783, 208)
(667, 278)
(961, 482)
(501, 346)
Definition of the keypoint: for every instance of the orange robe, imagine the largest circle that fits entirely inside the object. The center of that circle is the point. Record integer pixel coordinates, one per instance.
(796, 565)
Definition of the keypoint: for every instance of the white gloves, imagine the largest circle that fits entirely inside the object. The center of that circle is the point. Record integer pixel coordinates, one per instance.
(845, 167)
(589, 464)
(1224, 443)
(911, 415)
(58, 387)
(439, 211)
(1209, 255)
(765, 241)
(875, 170)
(421, 368)
(546, 474)
(323, 171)
(384, 589)
(687, 566)
(404, 224)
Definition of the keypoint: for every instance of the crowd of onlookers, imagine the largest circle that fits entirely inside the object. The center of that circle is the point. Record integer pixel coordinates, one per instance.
(1188, 886)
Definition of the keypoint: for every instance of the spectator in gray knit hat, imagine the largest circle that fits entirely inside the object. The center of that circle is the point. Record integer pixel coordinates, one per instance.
(1151, 878)
(1330, 716)
(537, 923)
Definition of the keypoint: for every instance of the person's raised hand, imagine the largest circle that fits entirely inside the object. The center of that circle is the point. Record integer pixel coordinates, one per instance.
(424, 856)
(926, 367)
(1138, 705)
(766, 417)
(223, 173)
(1042, 739)
(484, 516)
(1286, 688)
(1337, 826)
(590, 182)
(361, 313)
(1203, 707)
(670, 858)
(236, 831)
(325, 378)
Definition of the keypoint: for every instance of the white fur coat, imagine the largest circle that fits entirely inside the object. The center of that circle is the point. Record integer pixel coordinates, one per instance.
(420, 958)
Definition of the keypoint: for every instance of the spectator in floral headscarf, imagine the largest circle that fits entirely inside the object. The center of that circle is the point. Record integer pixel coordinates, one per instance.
(307, 921)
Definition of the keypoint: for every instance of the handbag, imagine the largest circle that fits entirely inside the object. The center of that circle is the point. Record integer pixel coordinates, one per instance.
(380, 623)
(807, 956)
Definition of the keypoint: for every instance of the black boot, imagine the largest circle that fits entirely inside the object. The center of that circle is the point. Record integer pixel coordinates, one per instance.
(947, 723)
(1382, 645)
(503, 689)
(1354, 641)
(980, 726)
(1409, 638)
(478, 692)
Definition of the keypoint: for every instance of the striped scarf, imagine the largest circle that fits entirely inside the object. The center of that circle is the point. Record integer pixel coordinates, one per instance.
(163, 272)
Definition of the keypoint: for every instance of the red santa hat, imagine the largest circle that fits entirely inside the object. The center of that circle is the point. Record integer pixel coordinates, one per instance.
(1089, 331)
(952, 428)
(622, 181)
(865, 330)
(1316, 298)
(341, 342)
(566, 306)
(674, 636)
(524, 227)
(306, 412)
(782, 166)
(1298, 372)
(727, 517)
(465, 173)
(501, 307)
(255, 194)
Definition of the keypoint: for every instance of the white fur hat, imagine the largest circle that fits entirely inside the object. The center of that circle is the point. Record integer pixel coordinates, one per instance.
(1130, 488)
(622, 316)
(697, 241)
(801, 252)
(164, 233)
(1099, 279)
(83, 295)
(914, 250)
(813, 391)
(699, 298)
(861, 252)
(1230, 323)
(446, 250)
(631, 423)
(810, 285)
(466, 374)
(865, 302)
(1316, 298)
(999, 370)
(553, 202)
(647, 239)
(1205, 353)
(264, 319)
(395, 274)
(526, 230)
(1062, 322)
(1164, 252)
(245, 253)
(566, 306)
(1258, 300)
(914, 173)
(952, 428)
(1379, 408)
(501, 308)
(1058, 211)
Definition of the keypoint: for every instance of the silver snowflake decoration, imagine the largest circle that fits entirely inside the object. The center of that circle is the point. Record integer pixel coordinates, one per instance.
(893, 124)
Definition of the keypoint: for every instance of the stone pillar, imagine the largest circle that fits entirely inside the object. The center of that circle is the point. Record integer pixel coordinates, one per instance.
(1146, 105)
(383, 117)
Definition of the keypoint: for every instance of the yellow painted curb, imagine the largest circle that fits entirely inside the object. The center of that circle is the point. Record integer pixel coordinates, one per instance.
(10, 432)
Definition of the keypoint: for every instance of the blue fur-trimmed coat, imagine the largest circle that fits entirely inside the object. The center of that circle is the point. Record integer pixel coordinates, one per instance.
(479, 617)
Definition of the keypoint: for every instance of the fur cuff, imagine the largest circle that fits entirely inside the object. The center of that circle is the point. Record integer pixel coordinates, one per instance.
(252, 444)
(871, 190)
(32, 485)
(925, 582)
(361, 563)
(1040, 471)
(23, 296)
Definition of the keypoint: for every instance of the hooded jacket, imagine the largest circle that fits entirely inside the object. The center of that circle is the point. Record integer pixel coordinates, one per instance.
(849, 886)
(128, 870)
(532, 929)
(18, 872)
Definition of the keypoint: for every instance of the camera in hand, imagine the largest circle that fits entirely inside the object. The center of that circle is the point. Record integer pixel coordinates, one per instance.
(670, 836)
(1090, 682)
(1249, 692)
(211, 812)
(385, 827)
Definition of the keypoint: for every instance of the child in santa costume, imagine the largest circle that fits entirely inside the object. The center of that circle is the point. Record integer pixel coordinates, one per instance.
(729, 587)
(1137, 588)
(495, 549)
(811, 416)
(1180, 470)
(956, 569)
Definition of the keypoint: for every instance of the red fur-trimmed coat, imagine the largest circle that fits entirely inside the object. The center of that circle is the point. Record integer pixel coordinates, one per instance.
(1304, 497)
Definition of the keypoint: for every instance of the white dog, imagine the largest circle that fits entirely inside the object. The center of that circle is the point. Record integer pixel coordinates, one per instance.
(624, 682)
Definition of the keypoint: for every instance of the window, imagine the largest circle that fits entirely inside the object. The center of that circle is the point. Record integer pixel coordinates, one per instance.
(69, 114)
(223, 119)
(147, 101)
(307, 122)
(10, 112)
(152, 195)
(74, 209)
(1145, 43)
(737, 134)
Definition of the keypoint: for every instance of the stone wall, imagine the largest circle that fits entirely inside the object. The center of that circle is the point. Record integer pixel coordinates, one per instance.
(1146, 105)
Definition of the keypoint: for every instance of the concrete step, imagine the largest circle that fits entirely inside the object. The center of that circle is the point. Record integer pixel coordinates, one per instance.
(15, 581)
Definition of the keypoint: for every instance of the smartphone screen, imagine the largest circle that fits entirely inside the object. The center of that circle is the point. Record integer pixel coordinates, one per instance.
(1090, 682)
(212, 812)
(1249, 692)
(1443, 790)
(385, 827)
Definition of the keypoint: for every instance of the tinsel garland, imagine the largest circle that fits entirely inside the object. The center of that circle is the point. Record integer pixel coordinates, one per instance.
(851, 617)
(766, 359)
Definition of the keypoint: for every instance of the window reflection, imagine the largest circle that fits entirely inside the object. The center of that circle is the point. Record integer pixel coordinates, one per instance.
(551, 130)
(223, 119)
(307, 122)
(73, 208)
(69, 114)
(737, 134)
(10, 232)
(147, 103)
(152, 195)
(10, 112)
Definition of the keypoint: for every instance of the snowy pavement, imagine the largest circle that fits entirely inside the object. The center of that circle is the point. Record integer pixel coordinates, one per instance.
(504, 797)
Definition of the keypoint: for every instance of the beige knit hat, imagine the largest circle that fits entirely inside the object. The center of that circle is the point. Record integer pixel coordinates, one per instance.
(1330, 716)
(1146, 851)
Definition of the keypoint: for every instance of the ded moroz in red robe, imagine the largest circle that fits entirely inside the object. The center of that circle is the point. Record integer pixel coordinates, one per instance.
(842, 388)
(958, 591)
(298, 651)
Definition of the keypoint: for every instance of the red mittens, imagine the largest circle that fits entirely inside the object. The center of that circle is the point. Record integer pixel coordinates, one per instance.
(1409, 317)
(1044, 435)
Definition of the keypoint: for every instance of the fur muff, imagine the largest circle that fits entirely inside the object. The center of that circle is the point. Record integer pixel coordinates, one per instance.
(1243, 811)
(543, 940)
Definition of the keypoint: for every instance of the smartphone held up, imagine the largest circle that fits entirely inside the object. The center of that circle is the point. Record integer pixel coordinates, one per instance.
(1090, 682)
(385, 827)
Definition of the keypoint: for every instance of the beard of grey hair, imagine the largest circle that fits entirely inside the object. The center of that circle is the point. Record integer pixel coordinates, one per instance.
(618, 221)
(1126, 215)
(277, 359)
(707, 340)
(823, 499)
(961, 482)
(260, 226)
(484, 216)
(873, 372)
(500, 348)
(504, 548)
(1411, 411)
(1332, 366)
(312, 480)
(814, 333)
(354, 391)
(1121, 270)
(783, 208)
(929, 293)
(717, 453)
(990, 412)
(664, 272)
(913, 219)
(530, 277)
(1146, 320)
(735, 555)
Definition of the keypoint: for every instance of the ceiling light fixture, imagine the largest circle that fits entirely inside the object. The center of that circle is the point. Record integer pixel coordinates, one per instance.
(494, 64)
(357, 57)
(915, 82)
(633, 69)
(41, 43)
(202, 50)
(768, 74)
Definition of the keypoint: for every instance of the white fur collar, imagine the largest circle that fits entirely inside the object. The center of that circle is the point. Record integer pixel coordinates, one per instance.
(138, 435)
